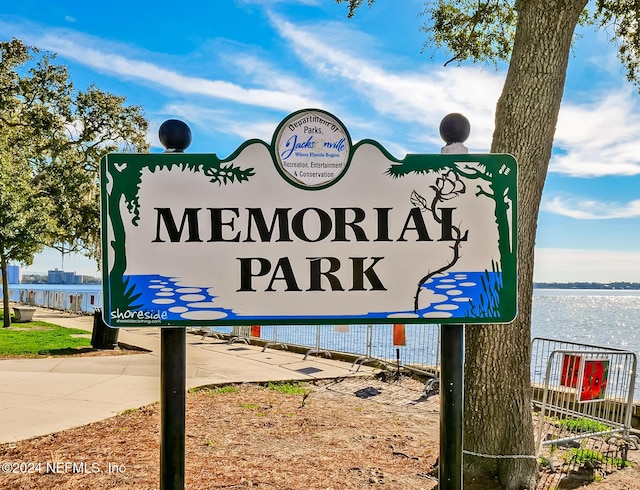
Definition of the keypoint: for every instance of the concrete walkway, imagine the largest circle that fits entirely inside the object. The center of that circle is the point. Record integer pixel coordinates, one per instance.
(41, 396)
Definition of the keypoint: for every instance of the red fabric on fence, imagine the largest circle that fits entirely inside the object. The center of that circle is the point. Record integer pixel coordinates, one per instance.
(399, 334)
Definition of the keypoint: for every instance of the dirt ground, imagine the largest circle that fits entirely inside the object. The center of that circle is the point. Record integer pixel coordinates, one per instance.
(345, 434)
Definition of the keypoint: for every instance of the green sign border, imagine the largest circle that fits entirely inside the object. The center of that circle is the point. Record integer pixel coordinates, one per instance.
(498, 171)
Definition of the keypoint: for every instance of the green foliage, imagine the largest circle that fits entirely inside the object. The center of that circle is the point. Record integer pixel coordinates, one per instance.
(25, 218)
(61, 135)
(472, 30)
(288, 388)
(582, 425)
(469, 29)
(128, 411)
(354, 4)
(544, 462)
(34, 339)
(621, 16)
(216, 391)
(593, 458)
(51, 141)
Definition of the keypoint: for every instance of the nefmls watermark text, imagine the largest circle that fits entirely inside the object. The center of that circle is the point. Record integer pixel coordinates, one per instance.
(61, 467)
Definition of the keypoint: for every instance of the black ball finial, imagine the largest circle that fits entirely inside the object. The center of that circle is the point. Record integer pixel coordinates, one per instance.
(454, 128)
(174, 135)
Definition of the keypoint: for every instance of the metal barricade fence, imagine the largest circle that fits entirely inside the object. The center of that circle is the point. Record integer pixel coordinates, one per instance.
(241, 334)
(421, 351)
(581, 391)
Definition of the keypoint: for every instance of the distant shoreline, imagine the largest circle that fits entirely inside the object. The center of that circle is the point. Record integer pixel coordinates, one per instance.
(587, 285)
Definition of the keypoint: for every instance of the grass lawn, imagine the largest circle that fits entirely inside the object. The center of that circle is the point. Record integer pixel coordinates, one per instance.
(35, 339)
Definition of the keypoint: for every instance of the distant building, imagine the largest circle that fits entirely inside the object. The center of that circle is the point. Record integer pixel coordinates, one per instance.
(61, 277)
(14, 274)
(33, 278)
(55, 277)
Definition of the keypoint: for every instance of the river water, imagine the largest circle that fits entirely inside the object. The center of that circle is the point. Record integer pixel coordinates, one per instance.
(599, 317)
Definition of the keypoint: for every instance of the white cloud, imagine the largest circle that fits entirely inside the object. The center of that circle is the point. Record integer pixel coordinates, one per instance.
(599, 138)
(107, 58)
(224, 122)
(269, 75)
(149, 72)
(591, 209)
(573, 265)
(417, 97)
(593, 139)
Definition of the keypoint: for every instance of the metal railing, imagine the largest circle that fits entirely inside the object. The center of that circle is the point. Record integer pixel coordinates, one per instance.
(57, 299)
(421, 351)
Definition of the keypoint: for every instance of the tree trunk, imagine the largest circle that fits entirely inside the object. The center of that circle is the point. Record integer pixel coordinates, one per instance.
(5, 292)
(497, 357)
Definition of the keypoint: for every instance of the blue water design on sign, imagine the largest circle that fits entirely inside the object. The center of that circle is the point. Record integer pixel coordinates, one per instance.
(447, 295)
(462, 294)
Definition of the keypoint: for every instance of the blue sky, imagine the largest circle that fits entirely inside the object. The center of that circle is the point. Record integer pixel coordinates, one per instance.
(234, 69)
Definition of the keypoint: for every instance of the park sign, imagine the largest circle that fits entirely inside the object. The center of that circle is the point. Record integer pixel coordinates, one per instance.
(308, 229)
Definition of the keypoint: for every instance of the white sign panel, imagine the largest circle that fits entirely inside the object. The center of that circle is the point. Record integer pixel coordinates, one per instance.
(308, 229)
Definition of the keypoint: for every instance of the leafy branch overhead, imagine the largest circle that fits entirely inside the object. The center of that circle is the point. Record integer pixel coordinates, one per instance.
(470, 29)
(354, 4)
(484, 31)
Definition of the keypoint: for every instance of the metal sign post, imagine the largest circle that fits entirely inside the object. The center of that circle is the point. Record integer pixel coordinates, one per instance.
(176, 137)
(451, 407)
(454, 129)
(173, 362)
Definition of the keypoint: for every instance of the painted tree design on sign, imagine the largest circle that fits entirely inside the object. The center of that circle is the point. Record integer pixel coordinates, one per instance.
(503, 193)
(448, 186)
(497, 184)
(125, 177)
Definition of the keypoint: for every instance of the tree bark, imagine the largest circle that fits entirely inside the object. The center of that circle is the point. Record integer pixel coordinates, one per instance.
(497, 357)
